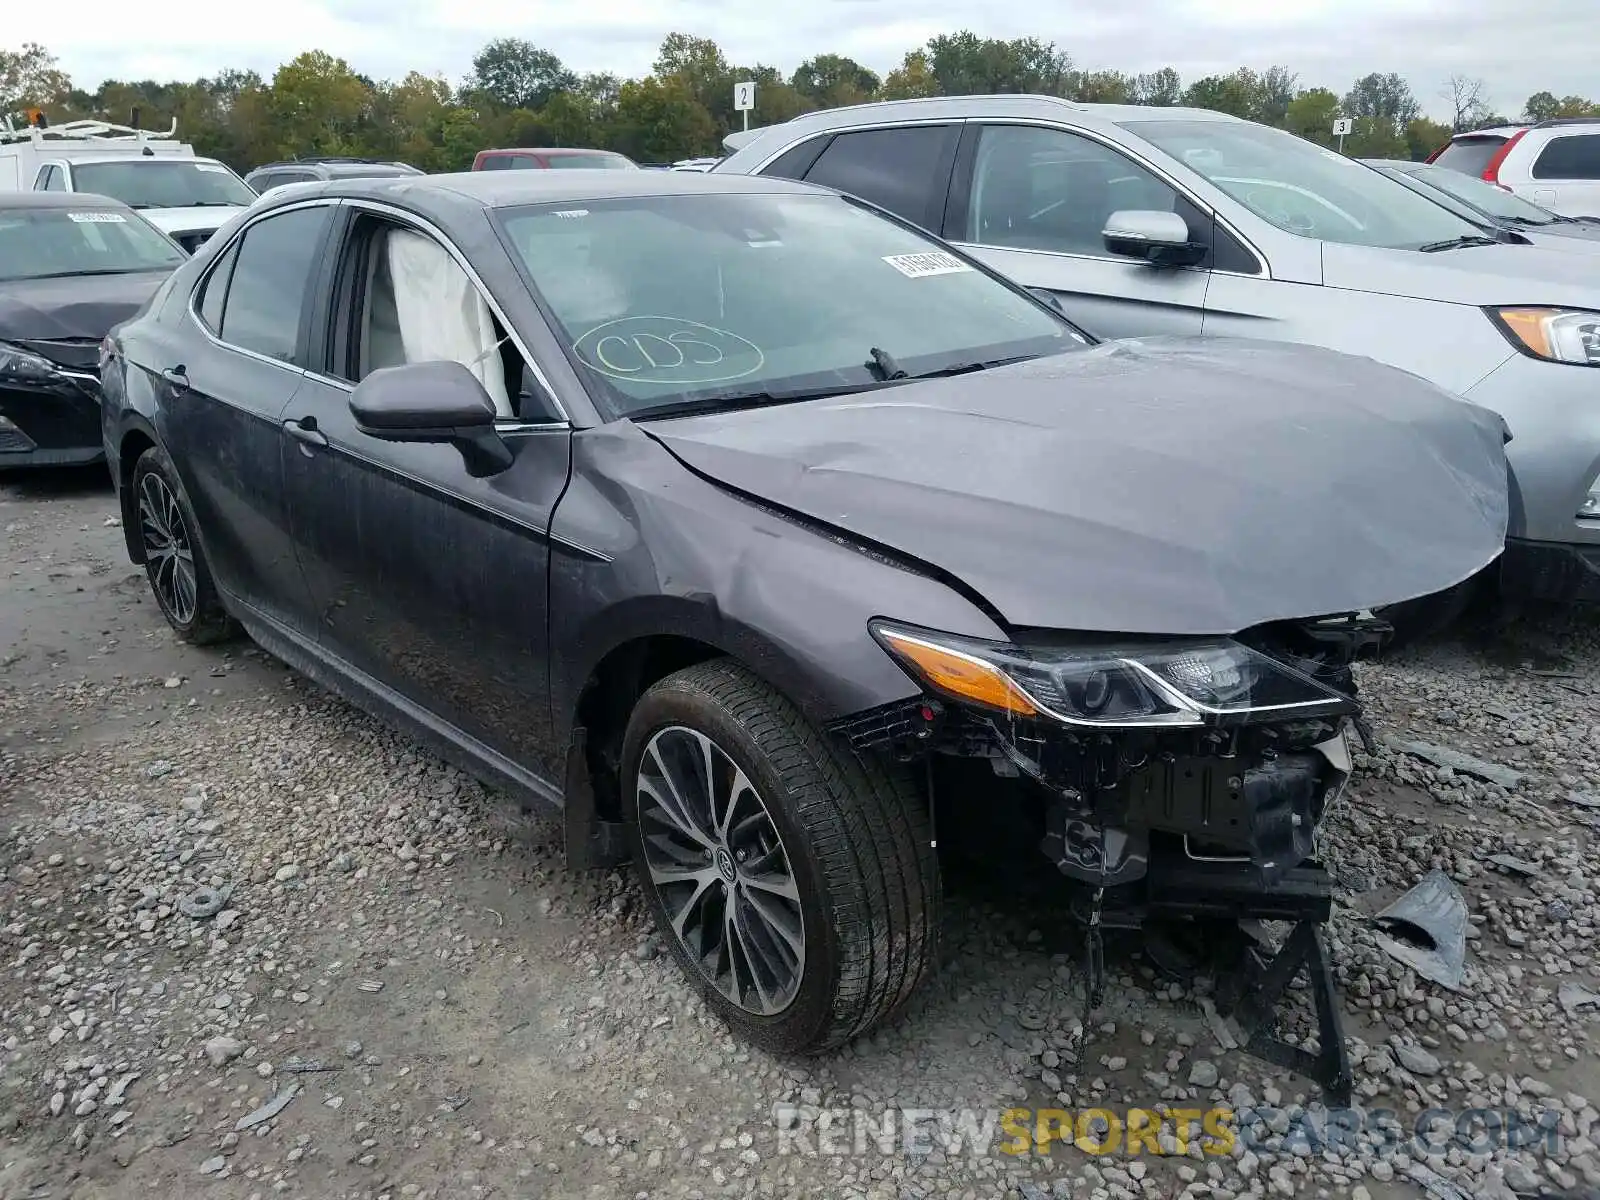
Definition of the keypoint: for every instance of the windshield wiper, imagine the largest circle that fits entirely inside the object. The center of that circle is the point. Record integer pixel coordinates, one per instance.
(1529, 222)
(884, 362)
(99, 271)
(729, 401)
(1468, 239)
(968, 368)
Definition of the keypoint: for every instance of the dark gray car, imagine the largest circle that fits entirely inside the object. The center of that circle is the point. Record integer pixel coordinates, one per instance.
(754, 529)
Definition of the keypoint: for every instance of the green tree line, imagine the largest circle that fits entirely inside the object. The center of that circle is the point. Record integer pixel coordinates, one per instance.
(518, 94)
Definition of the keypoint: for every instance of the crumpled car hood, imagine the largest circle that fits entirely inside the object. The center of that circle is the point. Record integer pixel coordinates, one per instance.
(1161, 486)
(73, 306)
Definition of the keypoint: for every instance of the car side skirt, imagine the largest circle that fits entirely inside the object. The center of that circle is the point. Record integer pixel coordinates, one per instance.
(378, 700)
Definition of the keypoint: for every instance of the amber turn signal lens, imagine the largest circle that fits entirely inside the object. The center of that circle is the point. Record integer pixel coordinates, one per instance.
(961, 675)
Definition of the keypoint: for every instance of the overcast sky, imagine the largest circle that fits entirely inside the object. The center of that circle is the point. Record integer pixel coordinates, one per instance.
(1517, 50)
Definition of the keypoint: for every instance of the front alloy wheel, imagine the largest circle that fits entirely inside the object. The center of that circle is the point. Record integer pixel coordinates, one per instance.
(721, 872)
(794, 882)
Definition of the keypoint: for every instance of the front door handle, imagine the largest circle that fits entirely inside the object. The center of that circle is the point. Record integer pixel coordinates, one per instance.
(305, 430)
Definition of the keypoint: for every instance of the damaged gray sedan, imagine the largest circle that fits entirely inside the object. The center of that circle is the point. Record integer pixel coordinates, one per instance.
(763, 534)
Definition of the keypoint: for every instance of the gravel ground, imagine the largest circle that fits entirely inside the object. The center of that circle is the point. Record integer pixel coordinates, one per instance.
(231, 900)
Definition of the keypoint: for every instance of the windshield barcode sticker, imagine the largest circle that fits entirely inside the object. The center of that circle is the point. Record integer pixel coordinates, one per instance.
(934, 262)
(98, 218)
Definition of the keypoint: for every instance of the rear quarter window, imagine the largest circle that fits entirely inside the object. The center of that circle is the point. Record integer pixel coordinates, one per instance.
(1572, 156)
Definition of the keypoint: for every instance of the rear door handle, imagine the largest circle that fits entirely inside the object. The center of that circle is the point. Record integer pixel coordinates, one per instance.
(177, 376)
(305, 430)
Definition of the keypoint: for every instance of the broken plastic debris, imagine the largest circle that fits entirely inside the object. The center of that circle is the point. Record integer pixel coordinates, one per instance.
(119, 1089)
(1461, 763)
(268, 1110)
(1517, 866)
(205, 902)
(1426, 929)
(369, 985)
(1584, 799)
(1574, 996)
(308, 1066)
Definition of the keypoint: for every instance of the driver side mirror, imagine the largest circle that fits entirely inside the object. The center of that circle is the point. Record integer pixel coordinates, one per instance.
(432, 402)
(1160, 238)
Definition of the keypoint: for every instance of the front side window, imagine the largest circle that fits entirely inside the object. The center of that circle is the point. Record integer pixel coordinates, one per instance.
(1302, 188)
(726, 298)
(1572, 156)
(416, 304)
(267, 292)
(902, 170)
(163, 183)
(47, 243)
(1045, 189)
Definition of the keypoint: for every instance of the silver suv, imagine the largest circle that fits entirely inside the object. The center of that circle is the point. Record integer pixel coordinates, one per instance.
(1169, 220)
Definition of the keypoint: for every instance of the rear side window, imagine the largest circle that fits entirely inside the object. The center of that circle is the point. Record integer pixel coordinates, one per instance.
(271, 272)
(1470, 155)
(903, 170)
(510, 162)
(794, 162)
(215, 290)
(1575, 156)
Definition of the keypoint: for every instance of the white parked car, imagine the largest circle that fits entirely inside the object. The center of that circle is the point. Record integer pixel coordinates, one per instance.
(1555, 163)
(185, 196)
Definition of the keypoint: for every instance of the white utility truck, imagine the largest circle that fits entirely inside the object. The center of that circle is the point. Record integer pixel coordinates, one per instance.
(180, 193)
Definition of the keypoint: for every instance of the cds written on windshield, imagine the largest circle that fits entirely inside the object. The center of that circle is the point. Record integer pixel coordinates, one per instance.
(668, 350)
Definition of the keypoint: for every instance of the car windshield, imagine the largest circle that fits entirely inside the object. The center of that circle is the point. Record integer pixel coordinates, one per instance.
(1484, 196)
(1304, 189)
(669, 301)
(591, 162)
(162, 183)
(45, 243)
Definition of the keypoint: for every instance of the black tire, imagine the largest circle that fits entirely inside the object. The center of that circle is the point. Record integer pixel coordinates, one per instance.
(1429, 616)
(204, 621)
(857, 837)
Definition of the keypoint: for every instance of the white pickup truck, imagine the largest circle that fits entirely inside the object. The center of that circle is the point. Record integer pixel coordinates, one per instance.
(186, 196)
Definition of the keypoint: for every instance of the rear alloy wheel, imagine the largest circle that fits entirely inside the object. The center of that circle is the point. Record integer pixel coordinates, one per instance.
(177, 569)
(795, 883)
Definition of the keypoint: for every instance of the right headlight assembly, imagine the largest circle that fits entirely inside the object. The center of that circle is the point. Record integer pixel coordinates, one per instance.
(1180, 683)
(1563, 335)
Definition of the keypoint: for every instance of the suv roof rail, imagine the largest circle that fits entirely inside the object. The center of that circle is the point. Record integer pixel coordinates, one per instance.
(1554, 121)
(84, 131)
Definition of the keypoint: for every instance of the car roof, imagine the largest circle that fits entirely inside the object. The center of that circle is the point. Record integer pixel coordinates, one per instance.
(933, 107)
(449, 197)
(550, 150)
(85, 160)
(1398, 164)
(75, 200)
(770, 138)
